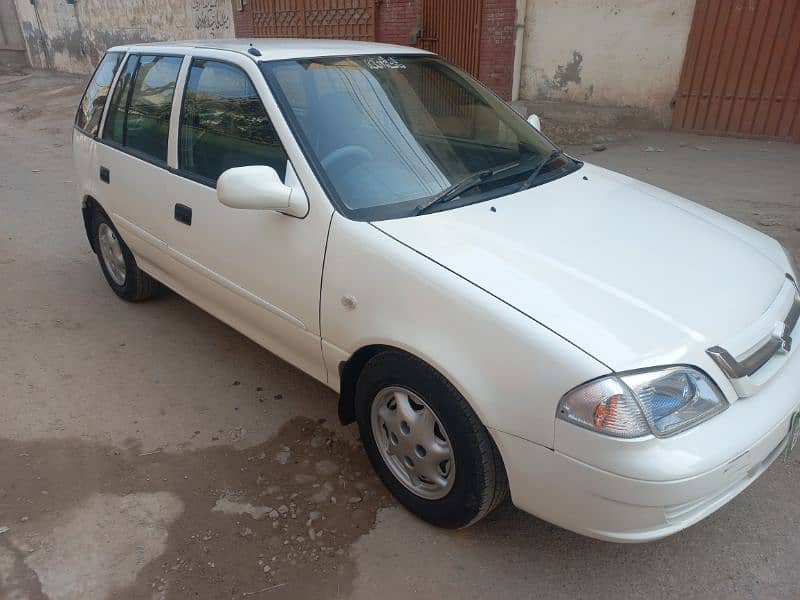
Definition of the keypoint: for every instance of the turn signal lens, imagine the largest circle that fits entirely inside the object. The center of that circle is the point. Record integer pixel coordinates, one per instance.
(605, 406)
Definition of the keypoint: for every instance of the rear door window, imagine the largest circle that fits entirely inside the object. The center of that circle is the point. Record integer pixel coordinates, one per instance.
(224, 124)
(90, 110)
(139, 114)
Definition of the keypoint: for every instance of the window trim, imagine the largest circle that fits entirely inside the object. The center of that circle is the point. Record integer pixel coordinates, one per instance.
(190, 174)
(104, 117)
(127, 108)
(122, 147)
(111, 87)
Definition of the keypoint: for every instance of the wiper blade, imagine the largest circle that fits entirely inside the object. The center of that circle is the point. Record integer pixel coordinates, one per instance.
(538, 169)
(455, 190)
(466, 184)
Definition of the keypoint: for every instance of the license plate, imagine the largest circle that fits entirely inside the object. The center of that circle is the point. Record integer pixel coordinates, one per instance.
(794, 436)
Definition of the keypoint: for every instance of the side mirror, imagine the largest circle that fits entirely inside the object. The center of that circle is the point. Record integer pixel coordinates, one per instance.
(259, 188)
(535, 122)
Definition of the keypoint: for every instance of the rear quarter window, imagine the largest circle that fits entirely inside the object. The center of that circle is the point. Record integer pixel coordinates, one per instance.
(139, 112)
(90, 109)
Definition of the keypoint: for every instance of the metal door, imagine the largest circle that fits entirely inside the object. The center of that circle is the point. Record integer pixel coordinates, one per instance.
(741, 73)
(452, 28)
(333, 19)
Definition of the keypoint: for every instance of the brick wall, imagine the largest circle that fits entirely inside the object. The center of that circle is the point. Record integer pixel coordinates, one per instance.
(243, 19)
(496, 67)
(396, 20)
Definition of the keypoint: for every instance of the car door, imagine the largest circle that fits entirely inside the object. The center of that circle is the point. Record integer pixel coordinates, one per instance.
(257, 270)
(134, 177)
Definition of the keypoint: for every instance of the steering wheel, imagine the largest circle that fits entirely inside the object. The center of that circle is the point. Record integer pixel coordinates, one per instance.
(352, 153)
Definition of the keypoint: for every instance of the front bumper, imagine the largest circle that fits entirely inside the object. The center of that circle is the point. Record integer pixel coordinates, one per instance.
(649, 488)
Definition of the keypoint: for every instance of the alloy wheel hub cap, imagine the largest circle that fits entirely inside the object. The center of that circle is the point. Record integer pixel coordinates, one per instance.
(413, 443)
(111, 251)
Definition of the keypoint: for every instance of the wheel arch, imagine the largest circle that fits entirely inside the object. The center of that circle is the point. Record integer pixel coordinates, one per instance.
(88, 206)
(350, 370)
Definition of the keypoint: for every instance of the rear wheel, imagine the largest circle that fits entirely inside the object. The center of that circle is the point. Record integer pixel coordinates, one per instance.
(117, 263)
(426, 443)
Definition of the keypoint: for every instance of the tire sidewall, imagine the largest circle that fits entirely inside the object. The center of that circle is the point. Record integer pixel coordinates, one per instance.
(128, 289)
(464, 501)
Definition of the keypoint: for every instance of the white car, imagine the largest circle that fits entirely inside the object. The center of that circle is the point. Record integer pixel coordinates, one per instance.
(497, 315)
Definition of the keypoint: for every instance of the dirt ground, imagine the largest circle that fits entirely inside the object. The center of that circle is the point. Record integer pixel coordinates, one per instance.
(149, 451)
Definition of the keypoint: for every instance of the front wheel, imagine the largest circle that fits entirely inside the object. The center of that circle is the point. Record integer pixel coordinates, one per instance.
(426, 443)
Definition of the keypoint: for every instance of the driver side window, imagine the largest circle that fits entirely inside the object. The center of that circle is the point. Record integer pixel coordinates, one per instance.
(224, 124)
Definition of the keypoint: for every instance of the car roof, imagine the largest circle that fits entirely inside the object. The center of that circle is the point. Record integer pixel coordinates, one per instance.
(279, 48)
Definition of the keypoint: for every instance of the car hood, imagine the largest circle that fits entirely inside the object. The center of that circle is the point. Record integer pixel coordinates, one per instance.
(633, 275)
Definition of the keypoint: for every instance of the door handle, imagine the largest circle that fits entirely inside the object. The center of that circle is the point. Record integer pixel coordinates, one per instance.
(105, 174)
(183, 214)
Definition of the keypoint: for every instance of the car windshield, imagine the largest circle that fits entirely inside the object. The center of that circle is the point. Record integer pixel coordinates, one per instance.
(388, 135)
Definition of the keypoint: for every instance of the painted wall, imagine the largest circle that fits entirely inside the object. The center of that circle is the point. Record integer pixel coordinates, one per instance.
(10, 33)
(623, 53)
(73, 37)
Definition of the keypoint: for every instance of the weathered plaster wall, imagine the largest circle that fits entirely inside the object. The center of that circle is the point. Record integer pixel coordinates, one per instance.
(10, 33)
(72, 37)
(623, 53)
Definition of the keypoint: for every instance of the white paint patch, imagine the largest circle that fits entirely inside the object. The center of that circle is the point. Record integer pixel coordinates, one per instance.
(231, 507)
(103, 544)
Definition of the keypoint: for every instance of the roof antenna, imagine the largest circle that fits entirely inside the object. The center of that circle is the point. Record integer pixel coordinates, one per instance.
(253, 50)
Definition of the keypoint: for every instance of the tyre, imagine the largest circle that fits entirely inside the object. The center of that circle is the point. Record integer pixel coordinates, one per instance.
(123, 275)
(426, 443)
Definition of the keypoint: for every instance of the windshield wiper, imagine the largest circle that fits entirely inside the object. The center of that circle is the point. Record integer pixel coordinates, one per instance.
(542, 164)
(466, 184)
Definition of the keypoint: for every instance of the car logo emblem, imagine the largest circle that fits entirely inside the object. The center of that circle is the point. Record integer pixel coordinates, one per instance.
(781, 333)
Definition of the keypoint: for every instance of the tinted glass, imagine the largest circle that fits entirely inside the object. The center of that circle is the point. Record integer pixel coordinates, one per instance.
(90, 110)
(114, 129)
(224, 124)
(388, 134)
(147, 119)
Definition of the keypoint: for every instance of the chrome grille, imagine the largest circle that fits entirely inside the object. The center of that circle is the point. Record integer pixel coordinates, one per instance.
(779, 342)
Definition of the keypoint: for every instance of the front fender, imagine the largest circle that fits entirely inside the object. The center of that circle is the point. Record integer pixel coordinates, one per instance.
(378, 292)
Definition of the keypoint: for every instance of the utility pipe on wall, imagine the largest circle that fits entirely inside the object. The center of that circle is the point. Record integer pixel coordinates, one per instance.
(519, 38)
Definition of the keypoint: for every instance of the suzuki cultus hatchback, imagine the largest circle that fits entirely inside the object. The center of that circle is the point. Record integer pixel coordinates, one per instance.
(496, 315)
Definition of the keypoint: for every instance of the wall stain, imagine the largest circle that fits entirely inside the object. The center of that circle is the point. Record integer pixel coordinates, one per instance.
(566, 74)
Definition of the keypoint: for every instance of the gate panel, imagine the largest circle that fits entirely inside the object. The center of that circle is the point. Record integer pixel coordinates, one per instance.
(331, 19)
(741, 73)
(452, 28)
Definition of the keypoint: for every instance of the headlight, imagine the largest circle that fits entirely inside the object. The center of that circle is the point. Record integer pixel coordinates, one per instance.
(794, 271)
(659, 401)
